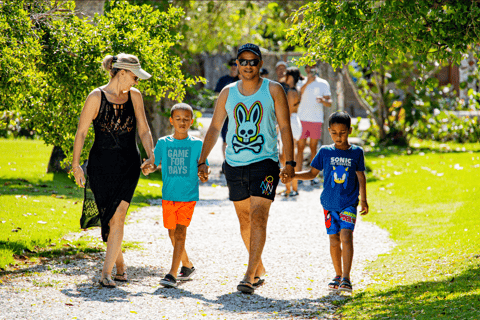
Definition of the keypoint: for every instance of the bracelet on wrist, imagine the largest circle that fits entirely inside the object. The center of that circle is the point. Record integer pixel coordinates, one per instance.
(201, 164)
(291, 163)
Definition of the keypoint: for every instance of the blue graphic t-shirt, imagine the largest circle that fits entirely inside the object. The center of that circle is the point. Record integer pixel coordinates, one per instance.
(179, 159)
(340, 187)
(252, 134)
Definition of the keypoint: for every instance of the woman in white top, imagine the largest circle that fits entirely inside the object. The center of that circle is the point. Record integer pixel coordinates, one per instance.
(292, 76)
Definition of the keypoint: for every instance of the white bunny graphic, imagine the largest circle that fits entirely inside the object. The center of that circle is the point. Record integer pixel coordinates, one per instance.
(248, 128)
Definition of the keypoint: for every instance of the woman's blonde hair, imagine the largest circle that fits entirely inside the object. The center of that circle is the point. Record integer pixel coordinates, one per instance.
(109, 60)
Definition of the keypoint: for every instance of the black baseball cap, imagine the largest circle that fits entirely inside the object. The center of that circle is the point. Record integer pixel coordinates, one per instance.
(253, 48)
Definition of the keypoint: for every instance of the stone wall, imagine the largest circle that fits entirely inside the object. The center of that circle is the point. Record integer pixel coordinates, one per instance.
(89, 7)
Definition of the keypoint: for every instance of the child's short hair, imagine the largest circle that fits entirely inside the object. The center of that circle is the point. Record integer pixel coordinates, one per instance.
(340, 117)
(181, 106)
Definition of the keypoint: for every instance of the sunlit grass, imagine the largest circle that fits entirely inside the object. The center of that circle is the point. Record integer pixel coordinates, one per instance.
(428, 201)
(38, 209)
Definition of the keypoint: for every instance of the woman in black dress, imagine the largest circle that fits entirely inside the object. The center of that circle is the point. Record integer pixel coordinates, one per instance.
(116, 110)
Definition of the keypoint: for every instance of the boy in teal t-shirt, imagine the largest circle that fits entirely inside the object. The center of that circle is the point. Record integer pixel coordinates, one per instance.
(178, 156)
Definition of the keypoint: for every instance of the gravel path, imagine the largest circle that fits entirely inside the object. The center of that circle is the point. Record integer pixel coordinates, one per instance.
(296, 257)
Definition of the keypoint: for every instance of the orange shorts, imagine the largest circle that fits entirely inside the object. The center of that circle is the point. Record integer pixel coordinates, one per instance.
(177, 212)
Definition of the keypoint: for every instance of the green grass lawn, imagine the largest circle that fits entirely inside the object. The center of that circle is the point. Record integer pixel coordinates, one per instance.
(428, 200)
(38, 209)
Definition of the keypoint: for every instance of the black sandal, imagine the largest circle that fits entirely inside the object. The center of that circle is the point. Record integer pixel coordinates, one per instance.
(335, 283)
(245, 287)
(346, 285)
(118, 277)
(109, 283)
(258, 282)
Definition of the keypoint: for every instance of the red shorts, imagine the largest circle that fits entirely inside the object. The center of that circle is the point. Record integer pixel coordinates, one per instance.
(311, 130)
(177, 212)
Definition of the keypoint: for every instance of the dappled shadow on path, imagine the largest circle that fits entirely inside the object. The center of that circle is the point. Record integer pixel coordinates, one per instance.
(93, 292)
(237, 303)
(305, 308)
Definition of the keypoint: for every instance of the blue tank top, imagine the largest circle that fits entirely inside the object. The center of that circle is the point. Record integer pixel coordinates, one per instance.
(252, 134)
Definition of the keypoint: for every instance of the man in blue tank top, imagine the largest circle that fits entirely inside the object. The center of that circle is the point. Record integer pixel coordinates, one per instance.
(254, 106)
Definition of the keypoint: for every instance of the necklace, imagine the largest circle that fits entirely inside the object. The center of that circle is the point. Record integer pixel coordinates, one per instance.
(255, 90)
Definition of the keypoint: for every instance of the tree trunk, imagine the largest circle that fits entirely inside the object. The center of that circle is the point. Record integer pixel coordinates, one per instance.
(378, 116)
(158, 123)
(56, 158)
(381, 106)
(326, 72)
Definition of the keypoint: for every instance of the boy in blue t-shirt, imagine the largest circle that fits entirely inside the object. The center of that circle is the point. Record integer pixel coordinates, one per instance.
(343, 168)
(178, 156)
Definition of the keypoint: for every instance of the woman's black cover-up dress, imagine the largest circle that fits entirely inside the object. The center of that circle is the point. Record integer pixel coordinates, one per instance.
(113, 165)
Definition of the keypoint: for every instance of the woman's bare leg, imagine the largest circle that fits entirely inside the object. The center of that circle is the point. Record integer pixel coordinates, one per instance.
(115, 238)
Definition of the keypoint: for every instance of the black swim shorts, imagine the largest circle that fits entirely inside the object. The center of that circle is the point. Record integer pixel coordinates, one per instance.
(259, 179)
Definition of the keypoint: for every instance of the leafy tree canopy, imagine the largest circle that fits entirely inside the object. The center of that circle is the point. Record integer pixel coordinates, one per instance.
(52, 59)
(220, 26)
(381, 31)
(20, 48)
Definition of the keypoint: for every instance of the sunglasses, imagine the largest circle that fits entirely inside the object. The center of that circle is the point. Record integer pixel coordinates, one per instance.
(252, 63)
(135, 78)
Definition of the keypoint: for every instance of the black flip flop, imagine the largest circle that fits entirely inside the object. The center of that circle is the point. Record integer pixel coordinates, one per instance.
(245, 287)
(121, 275)
(107, 285)
(258, 282)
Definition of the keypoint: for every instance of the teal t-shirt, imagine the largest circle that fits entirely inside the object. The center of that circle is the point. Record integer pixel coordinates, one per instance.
(179, 159)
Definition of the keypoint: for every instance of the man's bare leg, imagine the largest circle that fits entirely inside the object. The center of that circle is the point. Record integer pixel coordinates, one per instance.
(259, 209)
(243, 212)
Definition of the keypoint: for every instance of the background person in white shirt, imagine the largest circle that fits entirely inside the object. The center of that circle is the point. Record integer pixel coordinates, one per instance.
(315, 94)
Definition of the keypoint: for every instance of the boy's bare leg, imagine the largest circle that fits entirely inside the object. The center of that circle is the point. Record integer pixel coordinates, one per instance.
(346, 237)
(336, 253)
(183, 257)
(243, 212)
(288, 187)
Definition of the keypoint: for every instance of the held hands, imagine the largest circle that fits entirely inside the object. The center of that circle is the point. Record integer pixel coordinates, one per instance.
(321, 99)
(364, 206)
(79, 176)
(203, 172)
(287, 174)
(148, 166)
